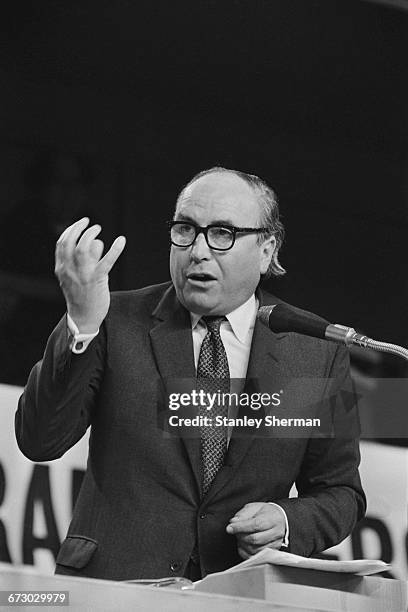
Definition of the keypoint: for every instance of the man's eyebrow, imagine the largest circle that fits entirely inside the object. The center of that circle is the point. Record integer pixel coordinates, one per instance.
(223, 222)
(182, 217)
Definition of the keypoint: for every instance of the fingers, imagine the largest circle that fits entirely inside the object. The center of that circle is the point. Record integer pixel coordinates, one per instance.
(254, 542)
(67, 241)
(259, 522)
(106, 263)
(86, 239)
(261, 538)
(250, 550)
(248, 511)
(83, 222)
(71, 243)
(96, 249)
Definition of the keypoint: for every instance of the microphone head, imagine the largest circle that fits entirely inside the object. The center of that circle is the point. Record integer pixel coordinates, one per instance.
(284, 318)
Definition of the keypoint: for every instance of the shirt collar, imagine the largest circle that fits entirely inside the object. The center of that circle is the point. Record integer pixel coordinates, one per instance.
(242, 319)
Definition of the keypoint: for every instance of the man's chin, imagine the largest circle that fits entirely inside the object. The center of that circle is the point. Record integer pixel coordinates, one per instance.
(201, 304)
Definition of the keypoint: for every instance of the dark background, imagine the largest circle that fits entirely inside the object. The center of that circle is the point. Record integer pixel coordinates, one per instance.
(310, 95)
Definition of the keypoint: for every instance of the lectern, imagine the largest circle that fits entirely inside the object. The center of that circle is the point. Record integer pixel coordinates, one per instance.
(312, 589)
(261, 588)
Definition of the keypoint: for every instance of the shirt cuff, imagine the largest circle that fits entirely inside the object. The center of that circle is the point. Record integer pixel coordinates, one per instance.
(78, 342)
(285, 542)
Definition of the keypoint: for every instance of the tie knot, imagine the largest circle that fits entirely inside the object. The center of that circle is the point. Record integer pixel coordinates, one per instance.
(213, 323)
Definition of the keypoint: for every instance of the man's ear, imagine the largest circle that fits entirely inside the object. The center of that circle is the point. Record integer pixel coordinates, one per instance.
(267, 249)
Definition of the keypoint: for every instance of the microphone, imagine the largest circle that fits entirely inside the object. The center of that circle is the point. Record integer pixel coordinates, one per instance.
(284, 318)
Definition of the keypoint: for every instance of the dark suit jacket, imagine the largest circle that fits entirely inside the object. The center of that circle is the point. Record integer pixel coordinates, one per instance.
(139, 512)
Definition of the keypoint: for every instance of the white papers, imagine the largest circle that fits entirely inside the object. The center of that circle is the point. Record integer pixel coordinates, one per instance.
(361, 567)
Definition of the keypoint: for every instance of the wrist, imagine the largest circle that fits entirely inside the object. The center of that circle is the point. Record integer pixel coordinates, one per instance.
(82, 325)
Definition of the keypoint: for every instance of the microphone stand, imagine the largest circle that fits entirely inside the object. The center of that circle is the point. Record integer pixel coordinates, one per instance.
(349, 336)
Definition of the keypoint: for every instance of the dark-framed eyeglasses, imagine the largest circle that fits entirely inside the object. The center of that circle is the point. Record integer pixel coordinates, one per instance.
(218, 237)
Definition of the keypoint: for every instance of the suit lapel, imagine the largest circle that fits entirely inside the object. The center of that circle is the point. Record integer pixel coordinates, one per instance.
(171, 338)
(173, 350)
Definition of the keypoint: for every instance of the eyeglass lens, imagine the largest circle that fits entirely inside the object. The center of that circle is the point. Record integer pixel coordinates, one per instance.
(183, 234)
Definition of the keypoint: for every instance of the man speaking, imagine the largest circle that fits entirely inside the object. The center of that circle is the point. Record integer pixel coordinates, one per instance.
(153, 504)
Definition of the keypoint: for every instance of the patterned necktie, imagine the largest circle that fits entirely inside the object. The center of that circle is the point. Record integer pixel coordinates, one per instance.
(213, 377)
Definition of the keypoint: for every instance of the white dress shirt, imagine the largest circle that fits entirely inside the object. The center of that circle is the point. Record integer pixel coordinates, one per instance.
(236, 334)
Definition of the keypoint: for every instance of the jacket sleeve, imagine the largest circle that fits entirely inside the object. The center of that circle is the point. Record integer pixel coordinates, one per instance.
(330, 496)
(56, 406)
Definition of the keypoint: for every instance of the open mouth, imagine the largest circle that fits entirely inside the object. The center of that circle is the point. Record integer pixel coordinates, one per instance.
(201, 277)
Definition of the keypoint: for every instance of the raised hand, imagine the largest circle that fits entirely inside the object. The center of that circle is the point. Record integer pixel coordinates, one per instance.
(83, 273)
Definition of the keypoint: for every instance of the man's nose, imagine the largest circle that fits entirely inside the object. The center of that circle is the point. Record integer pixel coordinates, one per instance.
(200, 249)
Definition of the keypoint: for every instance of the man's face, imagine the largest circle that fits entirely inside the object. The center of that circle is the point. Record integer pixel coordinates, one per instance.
(210, 282)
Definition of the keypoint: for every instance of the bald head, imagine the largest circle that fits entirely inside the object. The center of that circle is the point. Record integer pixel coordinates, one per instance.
(221, 186)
